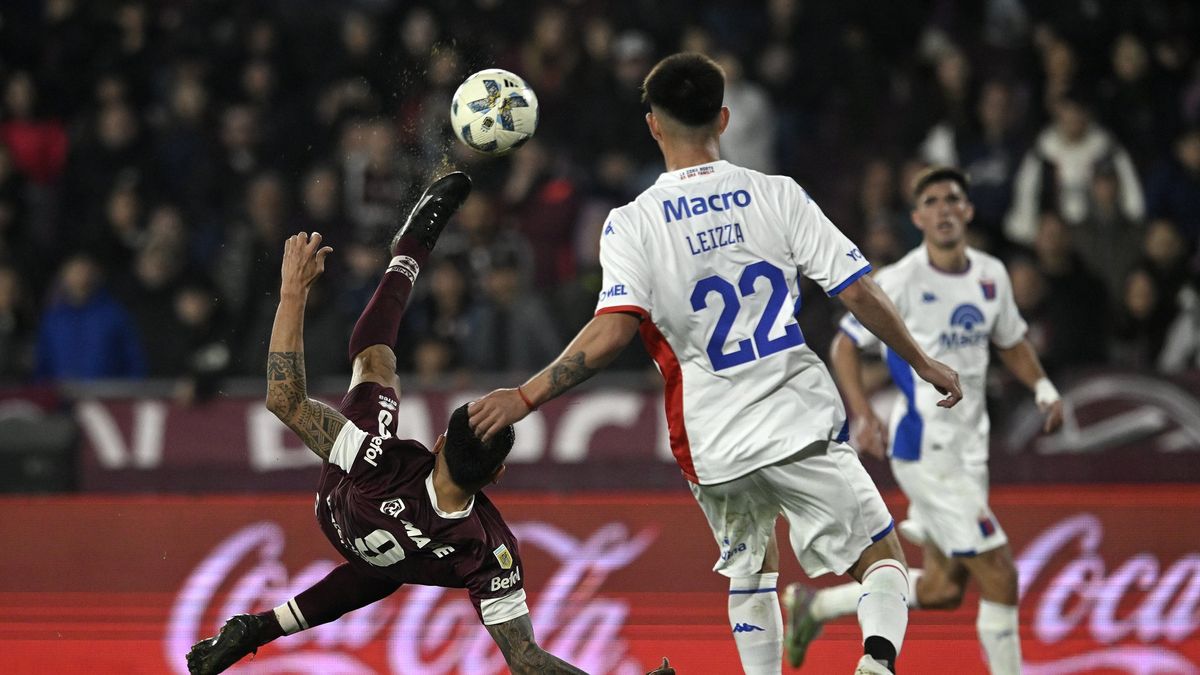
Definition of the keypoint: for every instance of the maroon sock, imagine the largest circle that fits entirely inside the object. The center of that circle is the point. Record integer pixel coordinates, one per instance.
(342, 590)
(380, 321)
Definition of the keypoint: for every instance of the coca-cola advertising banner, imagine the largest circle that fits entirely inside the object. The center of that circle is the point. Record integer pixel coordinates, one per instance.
(1110, 582)
(1119, 427)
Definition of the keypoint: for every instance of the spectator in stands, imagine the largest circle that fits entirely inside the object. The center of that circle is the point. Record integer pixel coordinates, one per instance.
(199, 352)
(749, 140)
(510, 329)
(183, 149)
(1142, 322)
(113, 153)
(38, 144)
(1173, 189)
(85, 334)
(989, 149)
(1076, 303)
(1132, 100)
(1165, 258)
(880, 206)
(543, 201)
(1107, 239)
(445, 314)
(378, 179)
(1057, 172)
(116, 237)
(16, 327)
(479, 238)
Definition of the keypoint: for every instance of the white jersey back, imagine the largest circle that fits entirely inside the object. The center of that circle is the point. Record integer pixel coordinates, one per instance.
(953, 317)
(710, 257)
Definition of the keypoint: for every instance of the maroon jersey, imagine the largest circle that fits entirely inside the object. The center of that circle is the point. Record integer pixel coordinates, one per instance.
(376, 505)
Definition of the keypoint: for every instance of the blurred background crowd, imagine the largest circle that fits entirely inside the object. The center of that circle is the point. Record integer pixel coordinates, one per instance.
(154, 156)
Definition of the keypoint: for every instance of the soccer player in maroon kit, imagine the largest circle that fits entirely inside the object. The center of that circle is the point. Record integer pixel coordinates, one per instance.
(396, 511)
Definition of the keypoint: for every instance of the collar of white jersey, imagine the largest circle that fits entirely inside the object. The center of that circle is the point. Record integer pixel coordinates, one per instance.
(971, 262)
(692, 172)
(446, 514)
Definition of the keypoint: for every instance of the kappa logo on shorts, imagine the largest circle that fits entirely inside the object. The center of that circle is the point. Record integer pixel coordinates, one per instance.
(503, 557)
(392, 507)
(747, 628)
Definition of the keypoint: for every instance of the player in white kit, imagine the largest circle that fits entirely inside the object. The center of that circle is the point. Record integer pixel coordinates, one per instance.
(957, 301)
(705, 265)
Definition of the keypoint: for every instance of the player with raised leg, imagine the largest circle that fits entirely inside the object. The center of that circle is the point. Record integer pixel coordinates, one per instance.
(396, 511)
(705, 264)
(957, 301)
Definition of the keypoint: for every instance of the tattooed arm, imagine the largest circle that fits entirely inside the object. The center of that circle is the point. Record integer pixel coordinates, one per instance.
(515, 639)
(595, 347)
(314, 422)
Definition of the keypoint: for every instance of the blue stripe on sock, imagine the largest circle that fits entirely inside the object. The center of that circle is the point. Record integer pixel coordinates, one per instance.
(750, 592)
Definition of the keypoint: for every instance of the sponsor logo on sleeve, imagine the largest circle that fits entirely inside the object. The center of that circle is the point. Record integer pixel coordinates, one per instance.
(506, 582)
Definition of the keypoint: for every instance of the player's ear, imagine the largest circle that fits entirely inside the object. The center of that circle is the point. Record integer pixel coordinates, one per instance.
(722, 120)
(968, 212)
(439, 444)
(499, 472)
(655, 130)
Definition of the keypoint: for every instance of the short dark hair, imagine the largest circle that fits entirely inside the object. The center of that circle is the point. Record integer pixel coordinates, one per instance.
(470, 460)
(688, 87)
(937, 174)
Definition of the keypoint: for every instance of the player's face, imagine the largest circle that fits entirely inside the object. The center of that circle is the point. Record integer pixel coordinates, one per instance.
(942, 213)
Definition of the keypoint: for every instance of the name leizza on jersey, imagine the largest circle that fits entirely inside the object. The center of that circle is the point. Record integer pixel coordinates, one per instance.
(954, 318)
(376, 504)
(710, 257)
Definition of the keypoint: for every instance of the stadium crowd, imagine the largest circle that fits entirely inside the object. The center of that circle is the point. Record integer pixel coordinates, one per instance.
(154, 155)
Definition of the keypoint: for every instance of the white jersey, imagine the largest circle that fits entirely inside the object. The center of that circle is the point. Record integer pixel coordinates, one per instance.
(710, 257)
(953, 317)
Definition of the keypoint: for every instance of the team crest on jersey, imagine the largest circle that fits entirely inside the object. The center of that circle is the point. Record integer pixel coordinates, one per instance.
(392, 507)
(503, 557)
(989, 289)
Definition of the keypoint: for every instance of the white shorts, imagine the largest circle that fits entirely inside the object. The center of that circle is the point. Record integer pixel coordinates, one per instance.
(833, 510)
(949, 500)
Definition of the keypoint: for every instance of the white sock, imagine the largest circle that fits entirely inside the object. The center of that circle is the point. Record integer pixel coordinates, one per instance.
(757, 623)
(997, 625)
(837, 601)
(883, 611)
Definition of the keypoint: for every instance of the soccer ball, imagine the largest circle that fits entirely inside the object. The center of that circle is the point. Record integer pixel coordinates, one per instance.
(494, 111)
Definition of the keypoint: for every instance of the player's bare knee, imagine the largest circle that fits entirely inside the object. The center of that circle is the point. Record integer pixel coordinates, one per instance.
(376, 363)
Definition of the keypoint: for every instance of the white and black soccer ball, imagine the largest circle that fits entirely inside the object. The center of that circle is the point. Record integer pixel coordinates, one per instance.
(494, 111)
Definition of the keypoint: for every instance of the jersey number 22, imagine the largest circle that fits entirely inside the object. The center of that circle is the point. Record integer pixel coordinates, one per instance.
(763, 344)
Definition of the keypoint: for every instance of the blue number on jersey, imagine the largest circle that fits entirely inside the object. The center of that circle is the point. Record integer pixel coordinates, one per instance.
(763, 344)
(721, 360)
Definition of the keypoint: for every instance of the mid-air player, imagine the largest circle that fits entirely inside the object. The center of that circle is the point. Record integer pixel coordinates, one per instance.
(957, 301)
(397, 512)
(705, 265)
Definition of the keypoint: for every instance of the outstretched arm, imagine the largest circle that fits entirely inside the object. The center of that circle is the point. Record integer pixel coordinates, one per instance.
(1022, 360)
(871, 306)
(314, 422)
(598, 343)
(521, 651)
